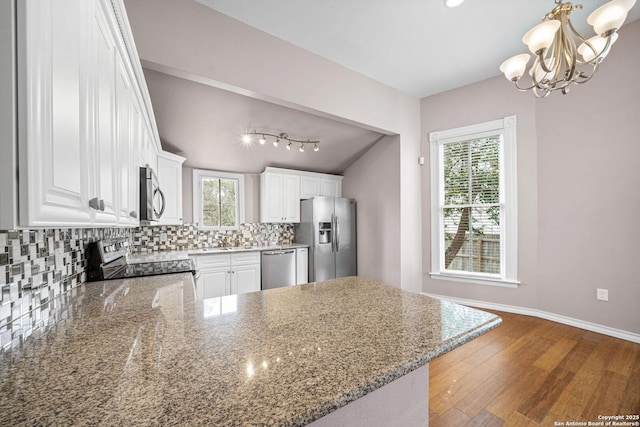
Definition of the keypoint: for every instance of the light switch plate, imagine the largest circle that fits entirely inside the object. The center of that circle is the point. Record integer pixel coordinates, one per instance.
(602, 294)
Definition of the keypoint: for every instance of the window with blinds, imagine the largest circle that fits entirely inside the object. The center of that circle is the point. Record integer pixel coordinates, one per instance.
(472, 209)
(474, 203)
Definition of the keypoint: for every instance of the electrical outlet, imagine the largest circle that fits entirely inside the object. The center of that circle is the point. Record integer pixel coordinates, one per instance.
(602, 294)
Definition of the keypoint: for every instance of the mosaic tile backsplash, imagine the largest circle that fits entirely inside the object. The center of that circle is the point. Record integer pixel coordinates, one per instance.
(37, 267)
(185, 237)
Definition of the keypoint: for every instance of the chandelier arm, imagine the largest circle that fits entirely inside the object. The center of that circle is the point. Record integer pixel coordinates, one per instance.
(574, 31)
(537, 94)
(543, 64)
(522, 89)
(584, 40)
(585, 77)
(540, 84)
(568, 49)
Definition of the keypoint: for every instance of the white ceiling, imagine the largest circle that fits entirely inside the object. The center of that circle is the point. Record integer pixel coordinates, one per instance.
(419, 47)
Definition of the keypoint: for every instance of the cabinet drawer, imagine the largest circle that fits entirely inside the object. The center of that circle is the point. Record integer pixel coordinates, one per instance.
(212, 261)
(245, 258)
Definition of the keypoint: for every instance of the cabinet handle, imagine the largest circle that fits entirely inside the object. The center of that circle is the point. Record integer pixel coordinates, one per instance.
(101, 205)
(133, 214)
(94, 203)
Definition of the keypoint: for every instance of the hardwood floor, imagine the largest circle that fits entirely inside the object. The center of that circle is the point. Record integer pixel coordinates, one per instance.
(534, 372)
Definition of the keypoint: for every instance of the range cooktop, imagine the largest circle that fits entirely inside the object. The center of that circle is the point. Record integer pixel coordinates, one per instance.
(107, 260)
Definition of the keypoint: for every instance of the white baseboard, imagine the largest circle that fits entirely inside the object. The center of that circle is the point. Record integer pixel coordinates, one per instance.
(605, 330)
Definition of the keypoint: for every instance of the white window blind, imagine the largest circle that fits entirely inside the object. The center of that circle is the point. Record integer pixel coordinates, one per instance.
(472, 209)
(474, 202)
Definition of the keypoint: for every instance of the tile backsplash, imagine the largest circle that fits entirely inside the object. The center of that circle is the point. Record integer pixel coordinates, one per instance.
(185, 237)
(38, 267)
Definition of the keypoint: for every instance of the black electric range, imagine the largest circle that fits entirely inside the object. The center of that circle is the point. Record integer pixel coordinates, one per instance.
(107, 259)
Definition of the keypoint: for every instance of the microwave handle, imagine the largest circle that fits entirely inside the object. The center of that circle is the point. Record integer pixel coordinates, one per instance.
(159, 214)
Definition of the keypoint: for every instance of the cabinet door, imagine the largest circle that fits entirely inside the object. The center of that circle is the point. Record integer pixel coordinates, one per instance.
(273, 197)
(103, 100)
(291, 198)
(170, 180)
(126, 146)
(309, 187)
(52, 130)
(245, 278)
(214, 282)
(331, 187)
(302, 266)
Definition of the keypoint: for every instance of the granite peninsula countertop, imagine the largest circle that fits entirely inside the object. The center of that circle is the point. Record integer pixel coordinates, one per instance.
(144, 351)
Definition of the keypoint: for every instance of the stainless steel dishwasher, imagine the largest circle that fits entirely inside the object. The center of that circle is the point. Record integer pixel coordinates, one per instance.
(278, 268)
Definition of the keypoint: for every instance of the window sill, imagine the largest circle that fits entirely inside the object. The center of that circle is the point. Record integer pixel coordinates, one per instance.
(475, 279)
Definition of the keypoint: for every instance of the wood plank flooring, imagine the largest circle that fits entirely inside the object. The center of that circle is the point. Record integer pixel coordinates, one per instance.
(534, 372)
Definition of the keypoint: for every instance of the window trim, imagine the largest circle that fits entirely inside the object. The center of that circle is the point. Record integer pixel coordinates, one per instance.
(198, 175)
(508, 182)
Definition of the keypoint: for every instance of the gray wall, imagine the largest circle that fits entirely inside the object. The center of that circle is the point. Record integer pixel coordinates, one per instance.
(374, 181)
(578, 190)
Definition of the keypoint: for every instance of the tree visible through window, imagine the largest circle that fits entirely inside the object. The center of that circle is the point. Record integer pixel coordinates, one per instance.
(217, 199)
(471, 209)
(219, 202)
(474, 203)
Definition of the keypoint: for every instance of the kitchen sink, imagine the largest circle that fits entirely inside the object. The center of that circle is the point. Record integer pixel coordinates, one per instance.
(224, 249)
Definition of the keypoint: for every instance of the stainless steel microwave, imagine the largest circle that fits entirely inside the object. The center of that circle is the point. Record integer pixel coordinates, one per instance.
(152, 201)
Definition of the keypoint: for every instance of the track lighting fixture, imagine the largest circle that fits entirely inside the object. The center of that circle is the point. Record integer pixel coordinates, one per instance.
(247, 139)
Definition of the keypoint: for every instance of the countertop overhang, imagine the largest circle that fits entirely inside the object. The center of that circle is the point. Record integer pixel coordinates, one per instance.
(147, 351)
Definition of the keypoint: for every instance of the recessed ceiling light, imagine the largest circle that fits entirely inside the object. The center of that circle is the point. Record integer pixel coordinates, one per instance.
(453, 3)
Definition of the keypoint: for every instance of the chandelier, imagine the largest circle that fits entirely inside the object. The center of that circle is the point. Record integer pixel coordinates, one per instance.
(283, 138)
(558, 63)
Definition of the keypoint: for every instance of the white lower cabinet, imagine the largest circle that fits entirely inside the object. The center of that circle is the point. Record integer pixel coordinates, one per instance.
(214, 282)
(302, 266)
(245, 278)
(227, 274)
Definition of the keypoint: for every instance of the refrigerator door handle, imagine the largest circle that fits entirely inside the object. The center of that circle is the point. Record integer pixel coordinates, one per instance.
(337, 233)
(333, 233)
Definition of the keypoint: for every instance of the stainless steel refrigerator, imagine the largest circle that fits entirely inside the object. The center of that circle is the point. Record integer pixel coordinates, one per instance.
(328, 226)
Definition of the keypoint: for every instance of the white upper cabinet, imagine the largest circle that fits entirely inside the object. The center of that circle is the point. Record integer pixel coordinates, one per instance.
(102, 92)
(78, 118)
(282, 189)
(170, 181)
(317, 184)
(279, 197)
(331, 187)
(53, 153)
(309, 187)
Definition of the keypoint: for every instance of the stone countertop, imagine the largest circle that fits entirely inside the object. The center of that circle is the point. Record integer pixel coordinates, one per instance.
(144, 351)
(140, 257)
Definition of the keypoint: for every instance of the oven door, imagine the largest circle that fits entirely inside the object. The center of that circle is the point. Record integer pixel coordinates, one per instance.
(152, 202)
